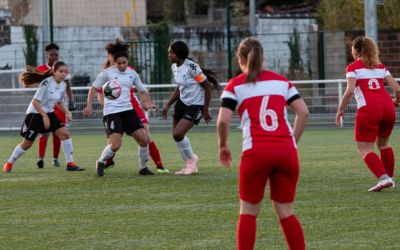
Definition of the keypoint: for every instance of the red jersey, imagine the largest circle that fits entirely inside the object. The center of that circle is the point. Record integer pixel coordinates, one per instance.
(262, 108)
(43, 67)
(370, 87)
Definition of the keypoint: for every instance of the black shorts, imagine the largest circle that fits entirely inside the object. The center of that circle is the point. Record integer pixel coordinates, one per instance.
(193, 113)
(33, 125)
(125, 121)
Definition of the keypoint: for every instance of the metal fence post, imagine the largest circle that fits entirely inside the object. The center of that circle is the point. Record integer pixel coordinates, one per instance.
(340, 92)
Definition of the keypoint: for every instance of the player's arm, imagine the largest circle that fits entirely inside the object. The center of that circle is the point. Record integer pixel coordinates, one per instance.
(391, 82)
(71, 104)
(207, 99)
(87, 111)
(60, 105)
(100, 97)
(300, 108)
(172, 99)
(348, 94)
(145, 101)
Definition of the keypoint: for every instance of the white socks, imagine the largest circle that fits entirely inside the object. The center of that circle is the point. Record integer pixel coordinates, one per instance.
(107, 154)
(143, 153)
(68, 150)
(185, 149)
(18, 151)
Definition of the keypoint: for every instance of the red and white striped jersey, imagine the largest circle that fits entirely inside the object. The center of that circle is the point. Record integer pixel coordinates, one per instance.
(370, 83)
(262, 108)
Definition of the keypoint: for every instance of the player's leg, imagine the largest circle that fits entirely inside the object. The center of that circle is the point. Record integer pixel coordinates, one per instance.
(42, 149)
(114, 144)
(247, 224)
(141, 138)
(109, 162)
(184, 147)
(68, 149)
(19, 150)
(154, 152)
(56, 141)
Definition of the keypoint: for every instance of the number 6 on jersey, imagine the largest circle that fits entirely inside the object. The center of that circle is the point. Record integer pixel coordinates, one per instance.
(264, 113)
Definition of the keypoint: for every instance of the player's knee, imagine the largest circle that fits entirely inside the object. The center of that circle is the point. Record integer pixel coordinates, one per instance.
(143, 142)
(178, 136)
(25, 145)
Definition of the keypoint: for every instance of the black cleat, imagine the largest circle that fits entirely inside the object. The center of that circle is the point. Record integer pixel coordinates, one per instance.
(74, 167)
(145, 171)
(100, 168)
(40, 163)
(56, 163)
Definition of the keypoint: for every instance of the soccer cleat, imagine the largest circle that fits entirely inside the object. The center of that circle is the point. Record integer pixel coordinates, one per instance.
(56, 163)
(7, 167)
(108, 163)
(145, 171)
(180, 172)
(71, 166)
(100, 168)
(40, 163)
(190, 170)
(162, 170)
(382, 184)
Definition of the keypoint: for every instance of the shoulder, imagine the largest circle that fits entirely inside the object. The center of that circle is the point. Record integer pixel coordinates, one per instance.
(235, 81)
(358, 64)
(191, 65)
(271, 75)
(42, 68)
(46, 82)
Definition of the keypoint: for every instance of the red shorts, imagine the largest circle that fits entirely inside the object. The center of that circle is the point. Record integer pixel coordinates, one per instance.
(60, 115)
(139, 111)
(373, 121)
(279, 165)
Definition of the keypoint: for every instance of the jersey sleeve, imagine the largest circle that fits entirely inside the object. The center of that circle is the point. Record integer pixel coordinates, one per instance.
(387, 72)
(350, 72)
(101, 79)
(137, 82)
(196, 72)
(292, 94)
(228, 97)
(42, 91)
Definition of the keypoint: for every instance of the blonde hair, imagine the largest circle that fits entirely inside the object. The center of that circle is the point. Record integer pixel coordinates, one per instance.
(250, 49)
(368, 51)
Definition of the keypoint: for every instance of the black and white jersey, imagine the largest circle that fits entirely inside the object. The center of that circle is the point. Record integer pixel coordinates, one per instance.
(126, 80)
(48, 94)
(188, 76)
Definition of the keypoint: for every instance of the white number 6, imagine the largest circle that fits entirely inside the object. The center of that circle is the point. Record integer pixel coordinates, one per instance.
(264, 113)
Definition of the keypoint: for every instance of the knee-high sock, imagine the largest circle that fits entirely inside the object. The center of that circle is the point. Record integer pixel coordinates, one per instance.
(374, 164)
(56, 146)
(155, 154)
(185, 149)
(293, 233)
(143, 153)
(42, 146)
(18, 151)
(106, 154)
(246, 232)
(387, 157)
(68, 150)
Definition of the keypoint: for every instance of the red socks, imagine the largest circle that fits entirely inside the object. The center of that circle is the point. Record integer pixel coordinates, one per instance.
(246, 232)
(42, 146)
(293, 233)
(374, 164)
(56, 146)
(387, 157)
(155, 154)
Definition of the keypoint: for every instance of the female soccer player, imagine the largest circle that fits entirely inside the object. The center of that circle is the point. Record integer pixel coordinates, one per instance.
(269, 143)
(153, 149)
(375, 115)
(119, 115)
(40, 117)
(52, 57)
(193, 95)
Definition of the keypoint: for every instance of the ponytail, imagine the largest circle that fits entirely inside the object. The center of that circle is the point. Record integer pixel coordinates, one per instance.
(32, 76)
(368, 51)
(251, 51)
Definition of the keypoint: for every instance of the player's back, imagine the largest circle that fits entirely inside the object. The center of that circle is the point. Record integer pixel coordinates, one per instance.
(262, 108)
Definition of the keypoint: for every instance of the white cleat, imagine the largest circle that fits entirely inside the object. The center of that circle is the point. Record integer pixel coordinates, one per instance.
(180, 172)
(382, 184)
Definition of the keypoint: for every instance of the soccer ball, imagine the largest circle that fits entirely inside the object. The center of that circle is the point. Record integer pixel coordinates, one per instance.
(112, 90)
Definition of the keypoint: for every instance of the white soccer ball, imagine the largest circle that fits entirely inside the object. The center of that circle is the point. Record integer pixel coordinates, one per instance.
(112, 90)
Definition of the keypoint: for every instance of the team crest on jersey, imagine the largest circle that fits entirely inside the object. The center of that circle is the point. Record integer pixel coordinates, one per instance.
(192, 66)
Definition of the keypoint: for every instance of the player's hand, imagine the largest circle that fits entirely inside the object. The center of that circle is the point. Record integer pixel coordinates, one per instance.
(87, 111)
(46, 122)
(71, 106)
(165, 111)
(68, 115)
(206, 115)
(225, 156)
(396, 102)
(146, 106)
(339, 119)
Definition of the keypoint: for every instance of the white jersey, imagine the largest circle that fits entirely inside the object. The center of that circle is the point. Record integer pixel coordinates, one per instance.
(126, 79)
(187, 77)
(48, 94)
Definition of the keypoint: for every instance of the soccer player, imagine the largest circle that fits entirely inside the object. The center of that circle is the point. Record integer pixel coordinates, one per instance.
(119, 115)
(40, 117)
(153, 149)
(52, 56)
(375, 115)
(192, 97)
(269, 143)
